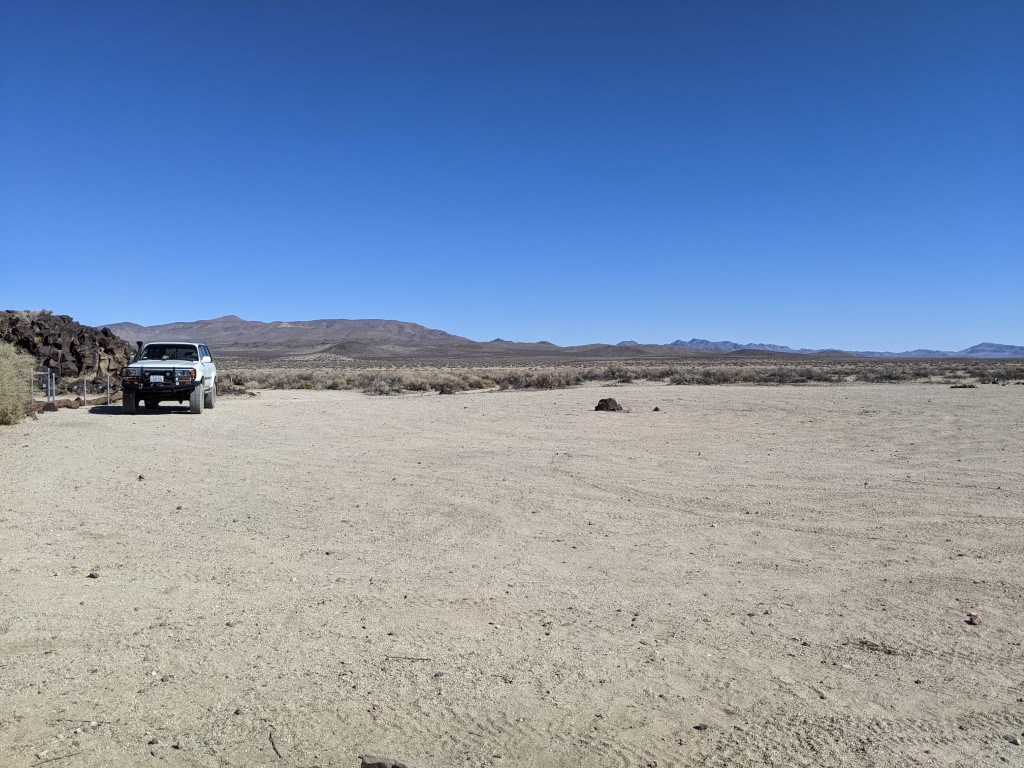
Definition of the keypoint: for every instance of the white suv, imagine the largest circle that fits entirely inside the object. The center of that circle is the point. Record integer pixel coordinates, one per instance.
(170, 370)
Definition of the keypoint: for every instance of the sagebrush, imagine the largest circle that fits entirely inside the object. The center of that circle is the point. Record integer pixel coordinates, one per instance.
(15, 387)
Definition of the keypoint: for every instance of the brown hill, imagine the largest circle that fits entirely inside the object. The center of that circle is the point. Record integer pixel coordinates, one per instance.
(376, 340)
(230, 333)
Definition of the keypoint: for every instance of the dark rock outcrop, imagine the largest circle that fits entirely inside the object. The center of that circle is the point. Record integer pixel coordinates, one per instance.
(69, 349)
(607, 404)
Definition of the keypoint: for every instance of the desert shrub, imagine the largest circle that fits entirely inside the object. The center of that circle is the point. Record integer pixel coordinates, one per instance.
(514, 379)
(997, 373)
(780, 375)
(886, 375)
(414, 383)
(15, 388)
(471, 380)
(539, 378)
(657, 372)
(618, 372)
(388, 382)
(448, 384)
(705, 375)
(378, 385)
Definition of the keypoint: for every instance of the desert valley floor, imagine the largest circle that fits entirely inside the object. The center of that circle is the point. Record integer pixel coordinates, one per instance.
(775, 576)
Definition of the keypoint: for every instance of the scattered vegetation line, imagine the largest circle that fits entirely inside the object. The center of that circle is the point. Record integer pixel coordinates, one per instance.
(331, 372)
(15, 383)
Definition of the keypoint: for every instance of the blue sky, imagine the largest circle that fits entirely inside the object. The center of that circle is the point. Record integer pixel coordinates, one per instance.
(845, 174)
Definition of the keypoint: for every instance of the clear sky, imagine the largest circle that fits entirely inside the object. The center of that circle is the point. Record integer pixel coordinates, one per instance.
(846, 174)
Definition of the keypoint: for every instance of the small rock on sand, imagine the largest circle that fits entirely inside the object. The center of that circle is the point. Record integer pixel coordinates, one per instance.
(369, 761)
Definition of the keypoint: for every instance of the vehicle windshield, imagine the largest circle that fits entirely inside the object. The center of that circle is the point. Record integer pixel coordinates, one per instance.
(169, 352)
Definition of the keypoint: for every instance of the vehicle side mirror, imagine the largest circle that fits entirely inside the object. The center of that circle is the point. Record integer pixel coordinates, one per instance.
(207, 359)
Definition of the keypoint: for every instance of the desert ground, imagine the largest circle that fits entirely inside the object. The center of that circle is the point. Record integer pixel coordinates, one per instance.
(750, 576)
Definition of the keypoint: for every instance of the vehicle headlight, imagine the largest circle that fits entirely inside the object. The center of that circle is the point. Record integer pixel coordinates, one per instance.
(131, 373)
(184, 373)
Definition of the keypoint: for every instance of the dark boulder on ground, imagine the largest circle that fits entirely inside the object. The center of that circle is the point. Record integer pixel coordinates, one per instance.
(607, 404)
(369, 761)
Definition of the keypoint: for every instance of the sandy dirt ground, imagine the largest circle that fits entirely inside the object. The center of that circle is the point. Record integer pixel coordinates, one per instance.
(750, 576)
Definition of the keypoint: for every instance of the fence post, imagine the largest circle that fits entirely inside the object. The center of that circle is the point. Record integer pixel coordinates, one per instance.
(85, 391)
(108, 389)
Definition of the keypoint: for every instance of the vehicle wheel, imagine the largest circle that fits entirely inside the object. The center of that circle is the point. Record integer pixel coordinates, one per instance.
(151, 404)
(128, 403)
(195, 399)
(211, 396)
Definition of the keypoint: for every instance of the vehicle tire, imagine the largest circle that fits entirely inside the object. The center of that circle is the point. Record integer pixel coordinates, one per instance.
(128, 405)
(151, 404)
(210, 399)
(195, 399)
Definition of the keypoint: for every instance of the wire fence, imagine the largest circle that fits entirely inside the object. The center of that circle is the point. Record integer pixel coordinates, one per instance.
(46, 382)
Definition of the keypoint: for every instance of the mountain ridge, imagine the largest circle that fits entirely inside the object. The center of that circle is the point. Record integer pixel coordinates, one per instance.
(396, 338)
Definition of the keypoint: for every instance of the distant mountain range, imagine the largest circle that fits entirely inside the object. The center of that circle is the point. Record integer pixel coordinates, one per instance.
(984, 350)
(391, 339)
(732, 346)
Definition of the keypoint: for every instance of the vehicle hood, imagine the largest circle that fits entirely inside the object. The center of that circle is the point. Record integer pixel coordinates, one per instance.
(148, 364)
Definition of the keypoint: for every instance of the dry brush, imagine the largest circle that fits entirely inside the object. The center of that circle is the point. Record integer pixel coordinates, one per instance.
(324, 371)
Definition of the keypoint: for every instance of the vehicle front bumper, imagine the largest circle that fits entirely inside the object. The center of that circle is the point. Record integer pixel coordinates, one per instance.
(164, 381)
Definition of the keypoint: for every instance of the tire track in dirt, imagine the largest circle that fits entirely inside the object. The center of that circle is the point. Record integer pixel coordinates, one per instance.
(804, 740)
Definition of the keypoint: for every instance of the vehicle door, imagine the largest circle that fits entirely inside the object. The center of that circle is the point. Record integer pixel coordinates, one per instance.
(209, 367)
